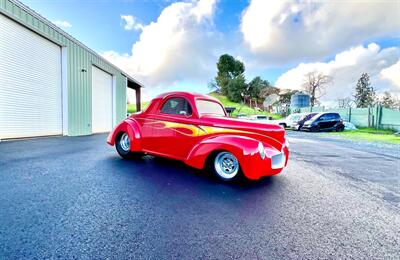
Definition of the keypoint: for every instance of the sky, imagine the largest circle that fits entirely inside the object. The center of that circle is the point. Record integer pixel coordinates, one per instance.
(174, 45)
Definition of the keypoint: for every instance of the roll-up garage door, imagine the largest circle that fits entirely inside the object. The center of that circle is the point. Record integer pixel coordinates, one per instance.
(102, 100)
(30, 83)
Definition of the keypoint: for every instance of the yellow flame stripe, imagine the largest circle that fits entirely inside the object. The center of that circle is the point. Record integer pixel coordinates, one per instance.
(196, 131)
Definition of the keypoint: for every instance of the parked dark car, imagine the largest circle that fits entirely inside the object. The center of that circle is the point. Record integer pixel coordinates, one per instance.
(324, 122)
(297, 124)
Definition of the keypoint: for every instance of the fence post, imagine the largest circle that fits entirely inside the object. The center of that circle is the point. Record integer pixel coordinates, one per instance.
(378, 116)
(369, 116)
(349, 115)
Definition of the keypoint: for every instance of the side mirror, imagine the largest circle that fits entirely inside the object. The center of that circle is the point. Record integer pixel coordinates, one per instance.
(230, 110)
(183, 113)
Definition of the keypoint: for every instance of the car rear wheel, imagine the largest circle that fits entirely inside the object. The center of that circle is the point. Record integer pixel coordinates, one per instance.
(226, 166)
(123, 146)
(283, 125)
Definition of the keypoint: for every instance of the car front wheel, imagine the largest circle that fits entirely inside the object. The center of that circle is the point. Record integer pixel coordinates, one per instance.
(123, 146)
(314, 129)
(226, 166)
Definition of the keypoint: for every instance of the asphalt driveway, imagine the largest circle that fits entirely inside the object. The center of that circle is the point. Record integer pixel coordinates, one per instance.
(73, 197)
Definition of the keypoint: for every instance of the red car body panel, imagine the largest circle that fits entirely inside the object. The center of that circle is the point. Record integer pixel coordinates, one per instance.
(192, 139)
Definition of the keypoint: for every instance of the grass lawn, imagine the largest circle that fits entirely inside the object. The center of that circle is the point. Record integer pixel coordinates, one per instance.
(242, 109)
(369, 134)
(132, 107)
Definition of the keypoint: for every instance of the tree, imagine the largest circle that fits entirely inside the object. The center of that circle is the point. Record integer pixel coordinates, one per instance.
(365, 93)
(213, 86)
(228, 69)
(315, 84)
(256, 86)
(388, 100)
(344, 102)
(236, 88)
(269, 90)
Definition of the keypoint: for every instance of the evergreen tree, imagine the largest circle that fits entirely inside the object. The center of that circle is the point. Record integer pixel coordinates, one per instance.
(229, 69)
(365, 93)
(256, 87)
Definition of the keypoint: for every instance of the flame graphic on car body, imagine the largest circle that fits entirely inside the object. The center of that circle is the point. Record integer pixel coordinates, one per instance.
(191, 130)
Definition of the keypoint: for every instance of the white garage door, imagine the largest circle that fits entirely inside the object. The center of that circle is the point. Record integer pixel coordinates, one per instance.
(30, 83)
(102, 105)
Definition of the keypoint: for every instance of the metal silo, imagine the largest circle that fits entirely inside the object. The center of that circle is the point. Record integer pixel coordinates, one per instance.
(299, 100)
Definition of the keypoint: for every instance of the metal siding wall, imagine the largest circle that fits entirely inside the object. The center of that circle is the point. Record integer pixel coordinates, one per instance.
(120, 107)
(79, 83)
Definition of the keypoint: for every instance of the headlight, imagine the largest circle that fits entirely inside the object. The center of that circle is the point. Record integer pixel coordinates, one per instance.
(261, 150)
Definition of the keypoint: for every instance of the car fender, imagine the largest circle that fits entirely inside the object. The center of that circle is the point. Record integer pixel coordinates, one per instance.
(240, 146)
(130, 126)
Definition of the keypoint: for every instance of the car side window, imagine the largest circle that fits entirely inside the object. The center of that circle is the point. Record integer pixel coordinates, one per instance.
(177, 106)
(327, 117)
(331, 116)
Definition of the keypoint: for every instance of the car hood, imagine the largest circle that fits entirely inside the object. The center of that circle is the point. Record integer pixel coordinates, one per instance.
(270, 131)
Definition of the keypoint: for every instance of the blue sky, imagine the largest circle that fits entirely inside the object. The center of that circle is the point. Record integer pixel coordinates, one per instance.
(278, 40)
(88, 16)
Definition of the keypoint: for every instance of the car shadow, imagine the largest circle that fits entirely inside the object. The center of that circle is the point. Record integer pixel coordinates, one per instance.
(161, 171)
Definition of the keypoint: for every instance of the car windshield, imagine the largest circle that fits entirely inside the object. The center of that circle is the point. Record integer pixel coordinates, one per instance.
(205, 107)
(315, 117)
(307, 117)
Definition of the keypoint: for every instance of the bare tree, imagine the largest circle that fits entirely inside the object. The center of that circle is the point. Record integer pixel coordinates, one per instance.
(315, 84)
(213, 86)
(388, 101)
(345, 102)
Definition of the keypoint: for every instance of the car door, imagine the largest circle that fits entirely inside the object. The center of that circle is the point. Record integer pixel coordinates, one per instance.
(175, 130)
(331, 122)
(322, 121)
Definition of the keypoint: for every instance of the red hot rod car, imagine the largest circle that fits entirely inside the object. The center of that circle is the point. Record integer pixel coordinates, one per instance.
(195, 129)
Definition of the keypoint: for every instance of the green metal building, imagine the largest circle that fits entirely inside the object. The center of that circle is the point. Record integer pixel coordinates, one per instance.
(52, 84)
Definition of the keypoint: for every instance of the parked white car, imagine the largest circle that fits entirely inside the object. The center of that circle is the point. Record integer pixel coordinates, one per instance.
(289, 120)
(259, 118)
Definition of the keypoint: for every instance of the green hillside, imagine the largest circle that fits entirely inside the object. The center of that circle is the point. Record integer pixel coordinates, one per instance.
(132, 107)
(241, 109)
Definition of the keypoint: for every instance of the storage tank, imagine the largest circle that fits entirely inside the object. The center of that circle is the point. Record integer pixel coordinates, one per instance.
(299, 100)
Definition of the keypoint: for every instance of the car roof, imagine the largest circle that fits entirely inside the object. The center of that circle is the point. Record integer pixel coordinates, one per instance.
(187, 95)
(328, 113)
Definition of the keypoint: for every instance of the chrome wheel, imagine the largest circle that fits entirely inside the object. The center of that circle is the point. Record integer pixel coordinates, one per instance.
(226, 165)
(125, 142)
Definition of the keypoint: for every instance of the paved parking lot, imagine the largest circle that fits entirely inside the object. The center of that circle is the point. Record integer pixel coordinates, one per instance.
(73, 197)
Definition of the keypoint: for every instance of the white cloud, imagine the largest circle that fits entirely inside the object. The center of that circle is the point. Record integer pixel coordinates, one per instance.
(179, 46)
(392, 74)
(294, 30)
(62, 24)
(130, 23)
(347, 67)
